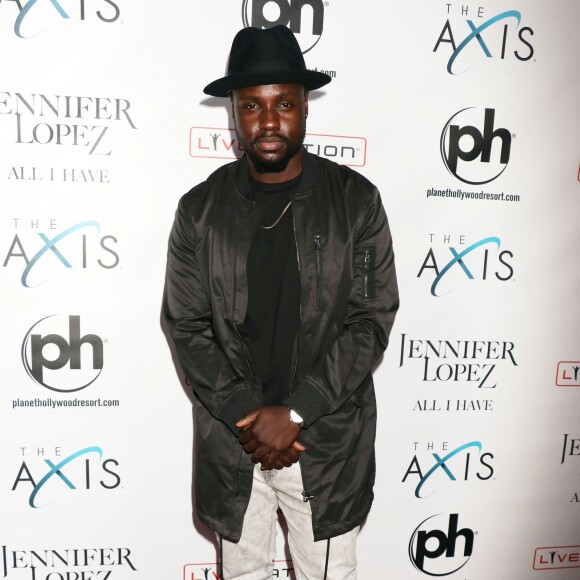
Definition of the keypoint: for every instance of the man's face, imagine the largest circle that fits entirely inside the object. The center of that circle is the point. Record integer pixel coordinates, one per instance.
(270, 125)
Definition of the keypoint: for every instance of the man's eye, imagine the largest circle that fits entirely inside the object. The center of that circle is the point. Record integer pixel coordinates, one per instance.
(286, 105)
(251, 106)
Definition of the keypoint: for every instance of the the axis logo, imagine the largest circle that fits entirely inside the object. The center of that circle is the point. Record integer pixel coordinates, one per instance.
(467, 143)
(75, 472)
(34, 14)
(460, 469)
(305, 18)
(435, 551)
(72, 247)
(490, 38)
(56, 356)
(481, 261)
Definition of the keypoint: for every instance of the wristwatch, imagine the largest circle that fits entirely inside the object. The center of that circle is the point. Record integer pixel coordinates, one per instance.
(295, 417)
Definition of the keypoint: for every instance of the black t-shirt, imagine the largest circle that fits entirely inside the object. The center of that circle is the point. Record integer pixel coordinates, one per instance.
(273, 314)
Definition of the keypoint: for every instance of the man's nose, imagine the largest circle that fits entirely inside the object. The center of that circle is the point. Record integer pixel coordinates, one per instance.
(269, 119)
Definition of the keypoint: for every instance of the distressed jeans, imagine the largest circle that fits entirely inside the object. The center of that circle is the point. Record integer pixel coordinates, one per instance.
(252, 557)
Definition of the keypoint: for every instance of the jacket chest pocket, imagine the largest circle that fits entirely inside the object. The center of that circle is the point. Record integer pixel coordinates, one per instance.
(369, 291)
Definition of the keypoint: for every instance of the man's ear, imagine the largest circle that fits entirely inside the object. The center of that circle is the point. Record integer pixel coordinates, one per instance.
(306, 102)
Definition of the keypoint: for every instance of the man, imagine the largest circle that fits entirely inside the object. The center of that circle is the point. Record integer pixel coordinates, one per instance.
(280, 296)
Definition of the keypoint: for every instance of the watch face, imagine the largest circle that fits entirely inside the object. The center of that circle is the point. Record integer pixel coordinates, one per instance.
(295, 417)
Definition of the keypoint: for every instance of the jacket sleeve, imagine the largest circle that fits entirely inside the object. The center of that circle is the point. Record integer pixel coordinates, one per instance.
(187, 311)
(372, 305)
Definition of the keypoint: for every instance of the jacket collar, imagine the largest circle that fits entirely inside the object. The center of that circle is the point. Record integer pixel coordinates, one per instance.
(309, 175)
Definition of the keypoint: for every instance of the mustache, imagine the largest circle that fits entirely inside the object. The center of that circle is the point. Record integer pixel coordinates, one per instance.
(269, 137)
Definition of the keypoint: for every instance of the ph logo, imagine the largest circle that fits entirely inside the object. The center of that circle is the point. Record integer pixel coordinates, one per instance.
(466, 150)
(306, 23)
(46, 352)
(435, 552)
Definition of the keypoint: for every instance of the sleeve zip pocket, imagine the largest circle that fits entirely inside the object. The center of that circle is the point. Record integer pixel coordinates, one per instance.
(369, 287)
(318, 249)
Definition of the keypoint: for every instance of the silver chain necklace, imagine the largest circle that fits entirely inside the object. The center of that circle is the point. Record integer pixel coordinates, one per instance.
(279, 218)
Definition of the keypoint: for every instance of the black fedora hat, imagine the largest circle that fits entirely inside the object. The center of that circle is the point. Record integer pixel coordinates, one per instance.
(265, 57)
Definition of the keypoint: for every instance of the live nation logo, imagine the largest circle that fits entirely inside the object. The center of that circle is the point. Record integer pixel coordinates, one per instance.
(452, 261)
(46, 474)
(221, 143)
(557, 557)
(211, 571)
(70, 563)
(439, 547)
(437, 464)
(568, 374)
(31, 17)
(471, 35)
(37, 250)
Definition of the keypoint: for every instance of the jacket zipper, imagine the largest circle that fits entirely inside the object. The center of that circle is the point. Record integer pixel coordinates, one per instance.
(369, 273)
(299, 264)
(306, 496)
(367, 268)
(317, 247)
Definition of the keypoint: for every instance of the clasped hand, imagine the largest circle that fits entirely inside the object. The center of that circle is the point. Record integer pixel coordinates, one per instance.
(270, 436)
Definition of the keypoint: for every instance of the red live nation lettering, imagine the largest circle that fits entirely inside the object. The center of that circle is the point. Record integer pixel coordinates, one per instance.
(201, 144)
(222, 143)
(550, 558)
(574, 557)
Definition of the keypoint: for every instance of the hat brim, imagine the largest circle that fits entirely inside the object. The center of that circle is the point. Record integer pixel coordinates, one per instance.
(312, 80)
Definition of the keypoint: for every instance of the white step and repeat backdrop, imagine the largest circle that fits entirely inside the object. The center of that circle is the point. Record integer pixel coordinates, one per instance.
(466, 117)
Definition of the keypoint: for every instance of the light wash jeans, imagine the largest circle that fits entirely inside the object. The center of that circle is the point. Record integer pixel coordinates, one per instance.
(251, 558)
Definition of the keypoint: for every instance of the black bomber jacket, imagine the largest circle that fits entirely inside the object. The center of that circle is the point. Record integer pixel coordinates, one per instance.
(349, 299)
